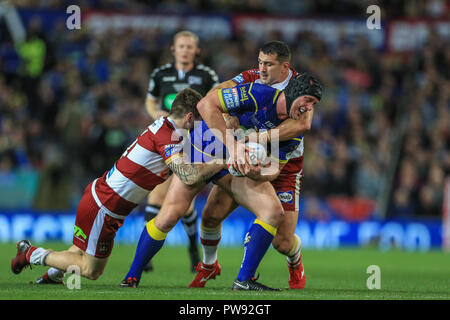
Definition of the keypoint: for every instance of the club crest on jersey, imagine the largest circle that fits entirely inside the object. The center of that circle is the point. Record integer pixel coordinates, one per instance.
(194, 80)
(285, 196)
(171, 149)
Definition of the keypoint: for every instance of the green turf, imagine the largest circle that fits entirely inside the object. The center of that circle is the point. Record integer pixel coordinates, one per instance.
(331, 274)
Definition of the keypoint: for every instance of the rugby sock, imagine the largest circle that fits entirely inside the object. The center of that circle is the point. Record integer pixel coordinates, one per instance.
(55, 274)
(37, 256)
(293, 256)
(150, 242)
(190, 226)
(151, 211)
(257, 242)
(210, 238)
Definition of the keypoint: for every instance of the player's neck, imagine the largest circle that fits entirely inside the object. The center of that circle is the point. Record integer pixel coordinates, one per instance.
(179, 123)
(284, 76)
(184, 66)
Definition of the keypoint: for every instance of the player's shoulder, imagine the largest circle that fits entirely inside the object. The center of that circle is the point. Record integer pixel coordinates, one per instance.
(162, 69)
(247, 76)
(161, 127)
(252, 72)
(255, 86)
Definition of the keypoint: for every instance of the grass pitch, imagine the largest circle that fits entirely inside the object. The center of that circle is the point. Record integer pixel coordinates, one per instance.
(331, 275)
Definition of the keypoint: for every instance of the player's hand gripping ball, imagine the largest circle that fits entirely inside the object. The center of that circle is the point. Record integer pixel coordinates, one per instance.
(256, 152)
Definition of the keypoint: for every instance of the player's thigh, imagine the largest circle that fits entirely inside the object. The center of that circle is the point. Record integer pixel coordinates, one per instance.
(191, 207)
(218, 206)
(176, 203)
(157, 195)
(258, 197)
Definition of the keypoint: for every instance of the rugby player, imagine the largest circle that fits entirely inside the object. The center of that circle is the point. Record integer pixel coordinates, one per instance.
(274, 70)
(165, 82)
(110, 198)
(266, 108)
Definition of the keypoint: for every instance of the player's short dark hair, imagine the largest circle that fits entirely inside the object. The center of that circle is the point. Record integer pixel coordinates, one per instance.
(280, 48)
(185, 102)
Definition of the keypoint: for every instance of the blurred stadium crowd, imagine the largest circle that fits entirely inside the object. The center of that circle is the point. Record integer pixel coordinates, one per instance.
(390, 8)
(70, 103)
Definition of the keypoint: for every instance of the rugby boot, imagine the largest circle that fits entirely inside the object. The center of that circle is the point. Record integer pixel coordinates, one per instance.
(130, 282)
(251, 285)
(22, 258)
(297, 278)
(45, 279)
(204, 273)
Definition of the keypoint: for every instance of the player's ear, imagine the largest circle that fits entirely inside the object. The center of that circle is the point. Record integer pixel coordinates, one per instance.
(189, 117)
(172, 49)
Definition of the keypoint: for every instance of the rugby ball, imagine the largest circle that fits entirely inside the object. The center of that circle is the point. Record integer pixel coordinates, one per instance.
(256, 153)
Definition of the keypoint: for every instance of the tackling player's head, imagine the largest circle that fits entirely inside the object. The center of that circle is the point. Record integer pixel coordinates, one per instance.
(185, 47)
(302, 93)
(184, 106)
(274, 62)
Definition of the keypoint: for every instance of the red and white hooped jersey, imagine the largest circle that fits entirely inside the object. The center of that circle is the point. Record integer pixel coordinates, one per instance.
(140, 169)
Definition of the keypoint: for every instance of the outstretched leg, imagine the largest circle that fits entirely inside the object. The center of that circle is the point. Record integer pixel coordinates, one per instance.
(152, 238)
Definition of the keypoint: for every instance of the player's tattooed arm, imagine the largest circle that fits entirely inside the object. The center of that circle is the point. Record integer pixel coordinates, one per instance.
(192, 173)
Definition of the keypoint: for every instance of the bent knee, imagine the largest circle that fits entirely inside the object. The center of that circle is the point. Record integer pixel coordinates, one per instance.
(276, 214)
(92, 274)
(282, 244)
(211, 222)
(210, 219)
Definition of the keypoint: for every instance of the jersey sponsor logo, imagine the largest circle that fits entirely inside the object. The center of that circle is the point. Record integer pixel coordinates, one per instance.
(269, 124)
(169, 79)
(239, 78)
(194, 80)
(180, 86)
(244, 95)
(235, 96)
(228, 99)
(285, 196)
(171, 149)
(79, 233)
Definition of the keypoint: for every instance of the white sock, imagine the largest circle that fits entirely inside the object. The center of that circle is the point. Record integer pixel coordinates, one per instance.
(55, 274)
(293, 256)
(210, 238)
(190, 223)
(38, 256)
